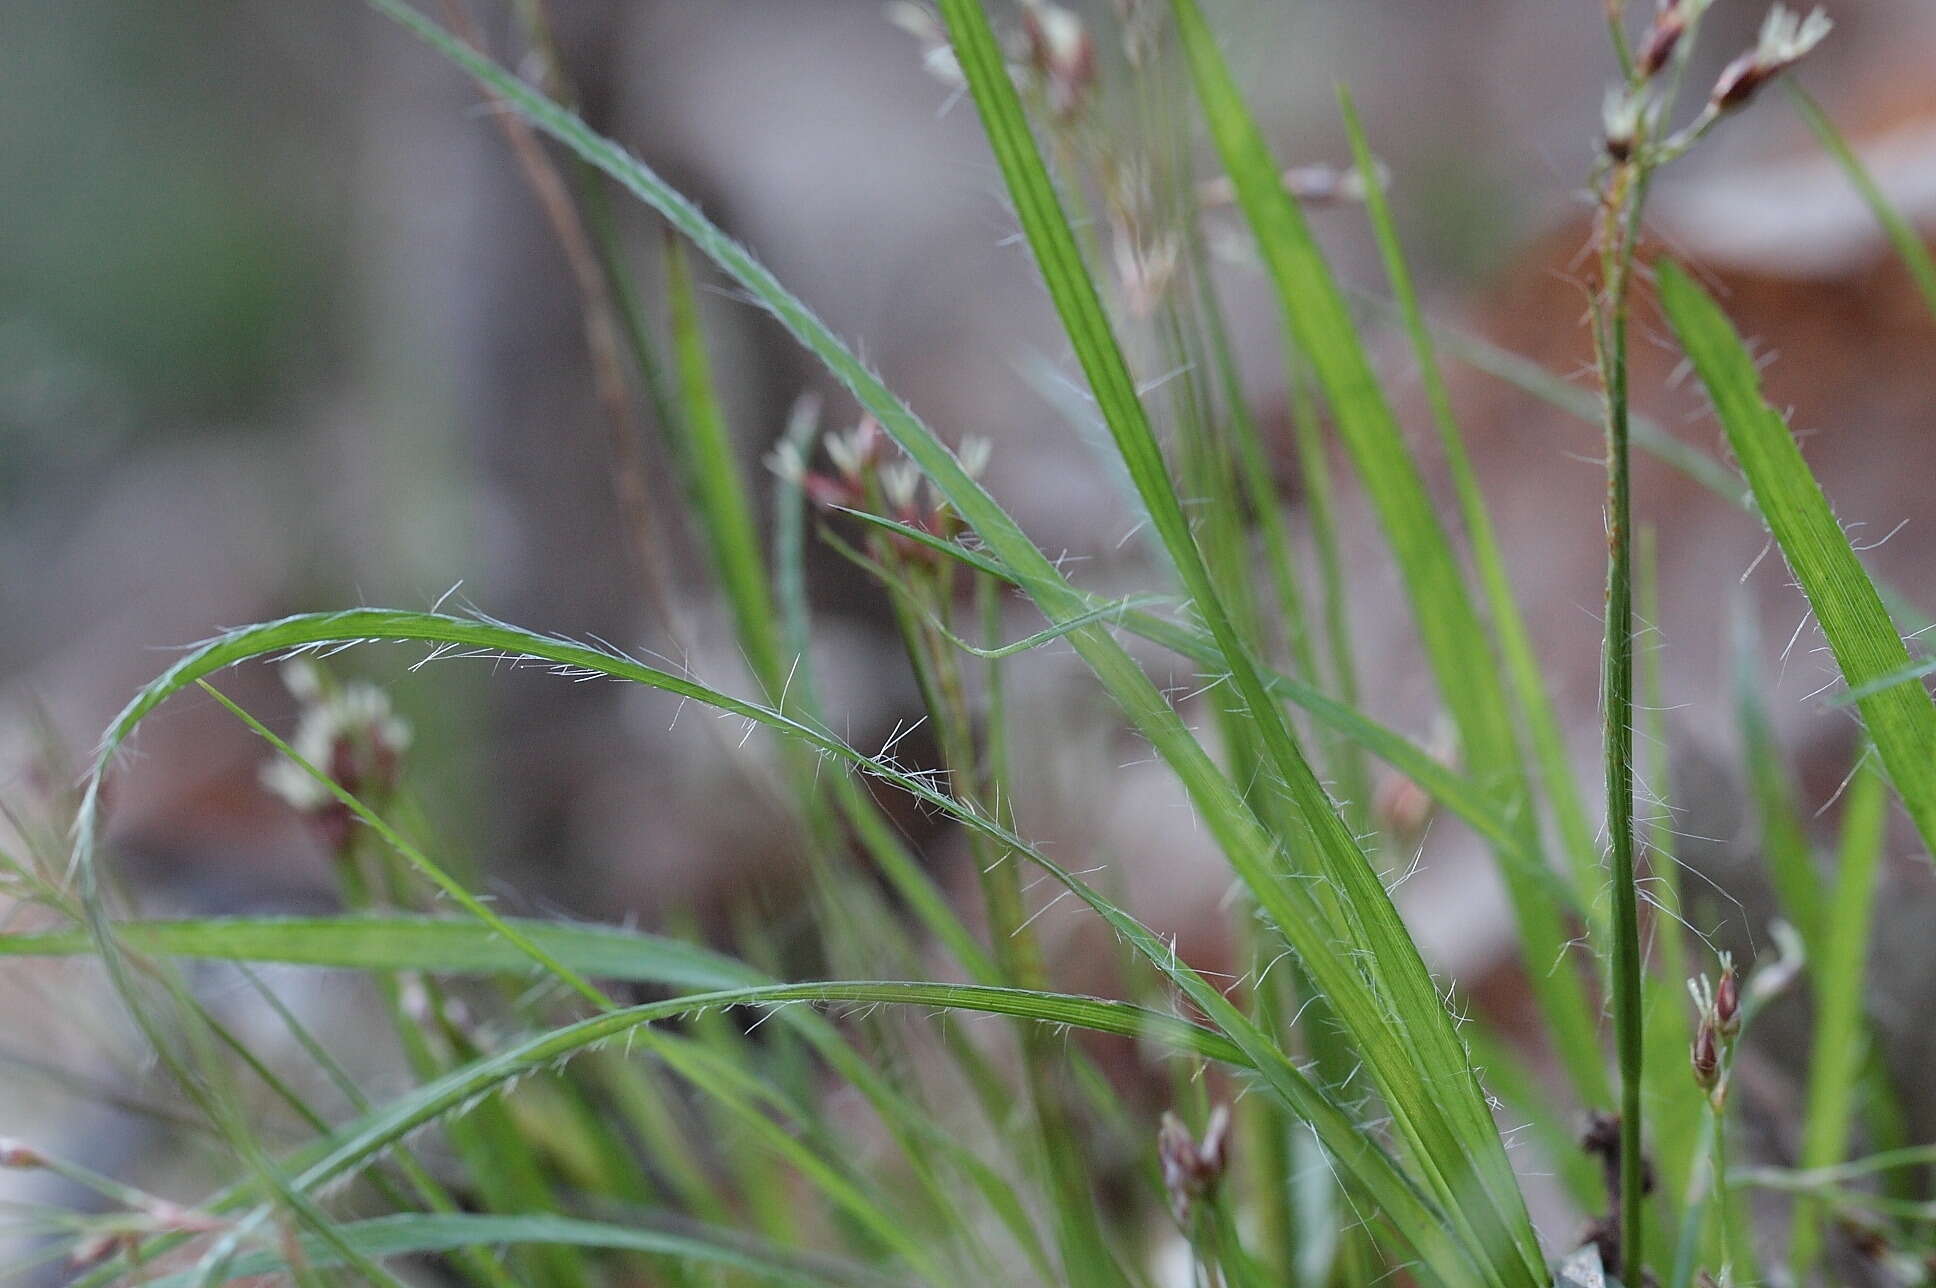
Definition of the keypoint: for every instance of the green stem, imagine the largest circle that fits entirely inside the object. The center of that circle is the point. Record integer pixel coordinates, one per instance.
(1624, 198)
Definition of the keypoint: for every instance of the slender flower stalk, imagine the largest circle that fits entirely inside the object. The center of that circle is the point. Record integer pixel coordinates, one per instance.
(1635, 115)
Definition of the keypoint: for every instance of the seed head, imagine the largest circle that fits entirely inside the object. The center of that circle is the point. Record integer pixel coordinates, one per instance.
(1785, 40)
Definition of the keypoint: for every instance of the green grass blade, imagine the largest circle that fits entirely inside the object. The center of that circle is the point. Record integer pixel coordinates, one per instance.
(1379, 989)
(1901, 721)
(1836, 970)
(705, 450)
(1456, 642)
(1784, 840)
(434, 945)
(1903, 236)
(1334, 608)
(428, 868)
(454, 947)
(1450, 789)
(418, 1234)
(1355, 1149)
(1515, 642)
(1583, 405)
(1456, 1145)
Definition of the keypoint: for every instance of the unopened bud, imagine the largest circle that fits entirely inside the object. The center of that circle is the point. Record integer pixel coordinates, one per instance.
(99, 1247)
(1663, 37)
(1706, 1055)
(13, 1154)
(1401, 806)
(1727, 1001)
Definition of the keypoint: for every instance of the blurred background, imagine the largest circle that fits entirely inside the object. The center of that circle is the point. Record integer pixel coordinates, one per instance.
(282, 329)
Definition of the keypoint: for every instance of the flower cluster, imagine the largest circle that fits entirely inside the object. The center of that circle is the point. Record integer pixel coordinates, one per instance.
(1632, 110)
(1785, 40)
(1720, 1023)
(1192, 1168)
(868, 476)
(348, 732)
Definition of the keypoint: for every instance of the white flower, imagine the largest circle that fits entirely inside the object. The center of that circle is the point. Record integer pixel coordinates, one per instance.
(855, 450)
(900, 481)
(786, 462)
(355, 716)
(1621, 114)
(304, 680)
(1786, 39)
(974, 454)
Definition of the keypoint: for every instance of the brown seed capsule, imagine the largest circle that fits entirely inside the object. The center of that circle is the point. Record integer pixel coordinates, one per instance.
(1738, 82)
(1727, 1002)
(1706, 1055)
(1784, 41)
(1670, 24)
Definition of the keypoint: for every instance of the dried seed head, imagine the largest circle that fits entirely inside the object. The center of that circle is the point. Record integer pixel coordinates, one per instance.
(1785, 40)
(1062, 54)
